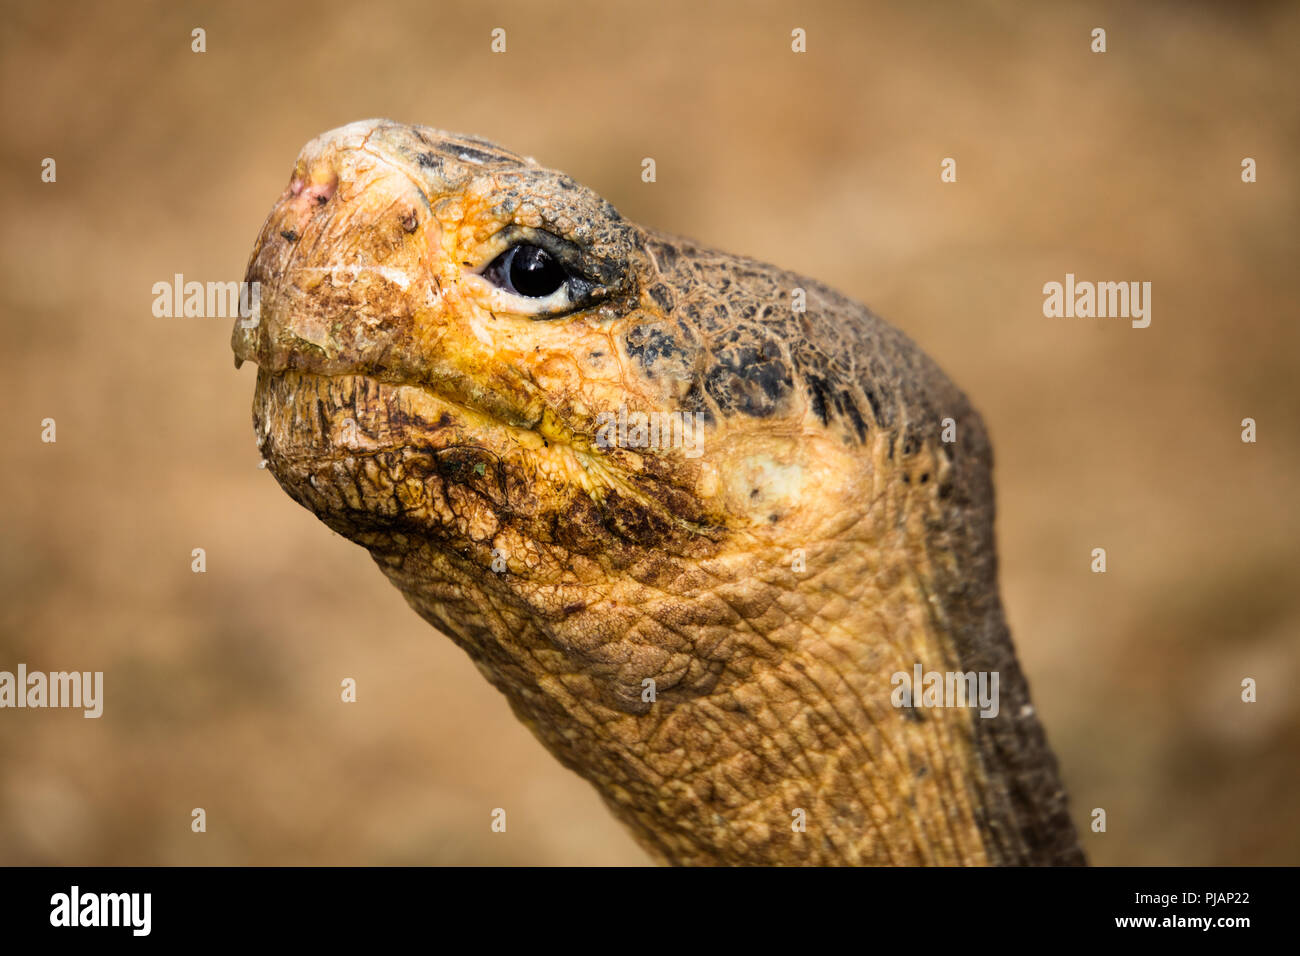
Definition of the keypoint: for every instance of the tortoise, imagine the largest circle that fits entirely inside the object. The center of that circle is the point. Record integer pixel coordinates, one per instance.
(721, 536)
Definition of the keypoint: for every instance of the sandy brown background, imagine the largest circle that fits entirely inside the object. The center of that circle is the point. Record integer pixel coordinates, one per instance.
(222, 688)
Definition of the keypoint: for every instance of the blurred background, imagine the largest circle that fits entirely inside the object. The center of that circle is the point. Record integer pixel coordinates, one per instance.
(222, 688)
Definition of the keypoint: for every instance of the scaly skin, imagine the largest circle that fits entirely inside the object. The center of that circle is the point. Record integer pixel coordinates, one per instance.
(437, 423)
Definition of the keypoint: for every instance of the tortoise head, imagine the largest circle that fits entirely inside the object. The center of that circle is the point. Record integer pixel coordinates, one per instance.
(688, 511)
(471, 365)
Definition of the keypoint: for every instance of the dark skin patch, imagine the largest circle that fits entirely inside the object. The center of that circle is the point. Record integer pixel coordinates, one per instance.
(649, 345)
(471, 154)
(874, 402)
(743, 380)
(693, 402)
(817, 397)
(854, 416)
(581, 530)
(663, 297)
(664, 254)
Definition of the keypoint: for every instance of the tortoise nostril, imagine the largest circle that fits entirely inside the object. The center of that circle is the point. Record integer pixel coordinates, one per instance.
(313, 187)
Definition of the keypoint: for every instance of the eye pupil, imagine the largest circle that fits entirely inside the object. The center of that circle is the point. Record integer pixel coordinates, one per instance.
(534, 272)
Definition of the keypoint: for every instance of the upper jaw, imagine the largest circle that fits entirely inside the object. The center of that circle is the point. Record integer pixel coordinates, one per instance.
(349, 252)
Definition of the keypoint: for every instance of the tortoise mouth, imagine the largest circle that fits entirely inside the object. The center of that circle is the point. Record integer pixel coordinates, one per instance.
(373, 459)
(305, 416)
(329, 428)
(376, 460)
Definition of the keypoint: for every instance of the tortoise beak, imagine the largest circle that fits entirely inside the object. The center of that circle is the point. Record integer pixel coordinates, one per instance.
(343, 246)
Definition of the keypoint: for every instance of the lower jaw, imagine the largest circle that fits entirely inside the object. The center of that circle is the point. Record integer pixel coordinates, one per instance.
(383, 414)
(366, 456)
(371, 458)
(375, 460)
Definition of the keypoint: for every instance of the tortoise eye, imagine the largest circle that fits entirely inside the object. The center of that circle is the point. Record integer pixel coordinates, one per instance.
(526, 270)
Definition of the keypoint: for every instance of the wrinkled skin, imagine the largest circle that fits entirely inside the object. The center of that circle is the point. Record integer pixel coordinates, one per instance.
(434, 420)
